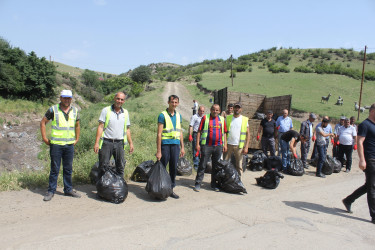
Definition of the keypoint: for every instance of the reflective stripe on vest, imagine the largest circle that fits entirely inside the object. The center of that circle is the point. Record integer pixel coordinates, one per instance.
(244, 123)
(63, 131)
(205, 129)
(107, 116)
(169, 132)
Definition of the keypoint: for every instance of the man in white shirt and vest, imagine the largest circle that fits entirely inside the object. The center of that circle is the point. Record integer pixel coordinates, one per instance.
(65, 132)
(238, 136)
(169, 139)
(113, 135)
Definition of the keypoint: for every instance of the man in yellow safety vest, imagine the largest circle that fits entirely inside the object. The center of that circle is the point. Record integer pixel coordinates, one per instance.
(238, 136)
(169, 139)
(65, 132)
(113, 135)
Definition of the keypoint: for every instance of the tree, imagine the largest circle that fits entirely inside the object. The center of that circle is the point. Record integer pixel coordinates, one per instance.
(141, 74)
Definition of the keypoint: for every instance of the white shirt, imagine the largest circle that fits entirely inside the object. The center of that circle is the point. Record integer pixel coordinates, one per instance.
(235, 131)
(196, 106)
(346, 135)
(195, 121)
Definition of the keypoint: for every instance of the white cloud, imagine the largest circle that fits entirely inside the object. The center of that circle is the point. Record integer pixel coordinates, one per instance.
(73, 54)
(100, 2)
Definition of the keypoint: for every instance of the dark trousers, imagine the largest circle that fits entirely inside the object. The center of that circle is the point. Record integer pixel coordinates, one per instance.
(195, 158)
(213, 152)
(66, 154)
(170, 154)
(115, 149)
(321, 149)
(268, 143)
(346, 150)
(368, 187)
(194, 111)
(305, 147)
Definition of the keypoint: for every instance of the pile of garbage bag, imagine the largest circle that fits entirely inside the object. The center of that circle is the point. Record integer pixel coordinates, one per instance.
(112, 187)
(184, 167)
(228, 179)
(295, 167)
(257, 161)
(142, 171)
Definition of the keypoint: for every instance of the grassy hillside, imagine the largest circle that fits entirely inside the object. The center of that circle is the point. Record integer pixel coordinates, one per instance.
(335, 71)
(74, 71)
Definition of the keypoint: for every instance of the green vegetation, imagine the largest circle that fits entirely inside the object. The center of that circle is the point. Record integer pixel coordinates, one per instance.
(25, 76)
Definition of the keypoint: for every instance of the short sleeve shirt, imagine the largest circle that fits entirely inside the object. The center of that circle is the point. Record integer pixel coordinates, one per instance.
(233, 137)
(268, 128)
(214, 136)
(346, 135)
(195, 121)
(320, 140)
(287, 136)
(367, 129)
(161, 119)
(115, 128)
(285, 124)
(50, 114)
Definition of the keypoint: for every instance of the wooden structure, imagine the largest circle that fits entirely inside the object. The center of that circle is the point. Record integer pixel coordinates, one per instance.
(251, 104)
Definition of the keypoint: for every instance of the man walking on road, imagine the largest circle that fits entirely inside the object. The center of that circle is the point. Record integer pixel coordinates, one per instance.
(169, 139)
(238, 137)
(65, 132)
(193, 131)
(283, 124)
(307, 132)
(113, 135)
(213, 131)
(366, 153)
(268, 127)
(347, 137)
(195, 107)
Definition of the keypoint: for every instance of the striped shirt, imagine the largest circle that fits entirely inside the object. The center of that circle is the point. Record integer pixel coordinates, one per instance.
(214, 135)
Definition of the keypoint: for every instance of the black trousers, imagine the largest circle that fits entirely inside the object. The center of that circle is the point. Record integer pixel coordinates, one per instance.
(213, 152)
(346, 150)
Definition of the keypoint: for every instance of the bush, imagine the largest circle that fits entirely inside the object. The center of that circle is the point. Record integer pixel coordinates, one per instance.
(234, 75)
(141, 74)
(241, 68)
(136, 89)
(303, 69)
(197, 78)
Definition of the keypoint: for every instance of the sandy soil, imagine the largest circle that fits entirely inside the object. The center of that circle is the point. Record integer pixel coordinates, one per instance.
(303, 212)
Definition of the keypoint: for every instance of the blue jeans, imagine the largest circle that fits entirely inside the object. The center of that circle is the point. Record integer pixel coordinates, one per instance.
(322, 156)
(195, 158)
(285, 153)
(58, 153)
(170, 154)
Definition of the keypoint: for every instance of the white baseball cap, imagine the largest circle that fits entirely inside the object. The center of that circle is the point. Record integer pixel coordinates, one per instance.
(66, 93)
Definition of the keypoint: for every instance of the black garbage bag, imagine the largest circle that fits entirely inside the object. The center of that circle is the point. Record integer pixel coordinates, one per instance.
(314, 162)
(336, 165)
(142, 171)
(328, 165)
(271, 179)
(112, 187)
(273, 162)
(159, 184)
(208, 169)
(257, 161)
(245, 161)
(184, 167)
(296, 167)
(95, 171)
(228, 179)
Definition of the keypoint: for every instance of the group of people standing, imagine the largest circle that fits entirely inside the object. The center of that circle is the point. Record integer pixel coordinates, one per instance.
(213, 136)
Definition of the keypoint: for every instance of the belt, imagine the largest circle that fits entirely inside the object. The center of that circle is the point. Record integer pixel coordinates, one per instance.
(195, 132)
(112, 140)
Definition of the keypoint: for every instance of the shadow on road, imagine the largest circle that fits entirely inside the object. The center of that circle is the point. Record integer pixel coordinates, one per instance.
(318, 208)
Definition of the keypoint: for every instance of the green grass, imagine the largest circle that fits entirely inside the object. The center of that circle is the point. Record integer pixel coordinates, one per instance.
(306, 89)
(73, 71)
(19, 106)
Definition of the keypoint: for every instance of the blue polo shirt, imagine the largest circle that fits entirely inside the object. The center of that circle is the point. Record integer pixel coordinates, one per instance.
(161, 119)
(285, 124)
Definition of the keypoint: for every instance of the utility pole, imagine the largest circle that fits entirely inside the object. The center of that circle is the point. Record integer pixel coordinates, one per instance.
(363, 76)
(231, 68)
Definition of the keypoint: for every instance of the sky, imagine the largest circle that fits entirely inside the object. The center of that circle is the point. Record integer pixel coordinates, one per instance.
(115, 36)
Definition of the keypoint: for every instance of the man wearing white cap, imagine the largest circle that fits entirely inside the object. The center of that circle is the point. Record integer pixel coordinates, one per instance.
(65, 132)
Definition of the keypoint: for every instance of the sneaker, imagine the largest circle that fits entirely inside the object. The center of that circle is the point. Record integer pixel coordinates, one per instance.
(73, 194)
(174, 195)
(48, 196)
(216, 189)
(197, 187)
(320, 175)
(347, 206)
(347, 171)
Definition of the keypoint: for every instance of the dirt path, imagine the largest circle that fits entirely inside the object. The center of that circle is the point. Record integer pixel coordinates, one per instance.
(303, 212)
(186, 101)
